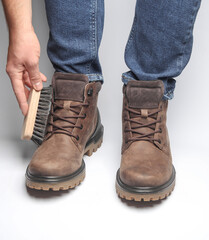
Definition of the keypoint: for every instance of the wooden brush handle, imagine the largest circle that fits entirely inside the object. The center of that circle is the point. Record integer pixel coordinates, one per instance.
(30, 118)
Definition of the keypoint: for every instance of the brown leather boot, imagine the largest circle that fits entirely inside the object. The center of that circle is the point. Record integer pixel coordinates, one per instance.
(73, 130)
(146, 172)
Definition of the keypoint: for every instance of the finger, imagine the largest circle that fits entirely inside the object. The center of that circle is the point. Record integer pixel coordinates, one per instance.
(27, 92)
(34, 75)
(19, 90)
(26, 79)
(43, 77)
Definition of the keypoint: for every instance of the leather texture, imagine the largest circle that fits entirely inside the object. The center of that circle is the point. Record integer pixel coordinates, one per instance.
(146, 156)
(72, 121)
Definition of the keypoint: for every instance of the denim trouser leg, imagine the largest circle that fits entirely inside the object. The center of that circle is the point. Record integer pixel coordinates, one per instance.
(160, 43)
(75, 34)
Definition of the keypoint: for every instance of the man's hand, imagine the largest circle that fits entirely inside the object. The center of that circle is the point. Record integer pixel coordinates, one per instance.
(24, 51)
(23, 66)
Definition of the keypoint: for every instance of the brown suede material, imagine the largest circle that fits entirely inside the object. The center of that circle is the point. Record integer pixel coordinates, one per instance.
(89, 123)
(144, 94)
(58, 156)
(145, 163)
(72, 90)
(61, 154)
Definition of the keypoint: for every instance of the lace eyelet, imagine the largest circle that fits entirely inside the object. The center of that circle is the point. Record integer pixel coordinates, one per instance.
(159, 141)
(77, 138)
(90, 92)
(81, 126)
(160, 130)
(84, 115)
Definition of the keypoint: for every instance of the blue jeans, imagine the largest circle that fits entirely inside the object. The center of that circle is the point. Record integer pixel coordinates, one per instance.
(159, 45)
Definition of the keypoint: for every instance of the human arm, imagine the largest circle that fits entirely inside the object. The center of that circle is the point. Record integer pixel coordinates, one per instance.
(23, 52)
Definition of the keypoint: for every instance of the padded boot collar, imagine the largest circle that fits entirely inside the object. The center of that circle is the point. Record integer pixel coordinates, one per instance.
(69, 86)
(144, 94)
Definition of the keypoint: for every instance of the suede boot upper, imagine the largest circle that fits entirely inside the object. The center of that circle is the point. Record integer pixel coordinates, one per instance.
(72, 121)
(146, 157)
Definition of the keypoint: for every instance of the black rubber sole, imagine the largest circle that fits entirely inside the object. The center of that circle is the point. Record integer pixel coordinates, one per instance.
(145, 193)
(54, 179)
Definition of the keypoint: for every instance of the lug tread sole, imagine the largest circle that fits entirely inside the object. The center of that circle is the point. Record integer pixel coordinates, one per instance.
(144, 197)
(56, 187)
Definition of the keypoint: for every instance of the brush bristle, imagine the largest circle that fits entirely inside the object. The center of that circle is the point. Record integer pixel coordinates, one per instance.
(42, 115)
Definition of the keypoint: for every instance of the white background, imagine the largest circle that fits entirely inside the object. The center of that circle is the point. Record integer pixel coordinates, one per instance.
(93, 210)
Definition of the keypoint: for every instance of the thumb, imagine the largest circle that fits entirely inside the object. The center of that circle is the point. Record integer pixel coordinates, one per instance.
(35, 76)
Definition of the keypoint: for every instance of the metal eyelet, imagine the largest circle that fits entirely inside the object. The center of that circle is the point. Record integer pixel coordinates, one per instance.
(90, 92)
(77, 138)
(159, 141)
(81, 126)
(160, 130)
(84, 115)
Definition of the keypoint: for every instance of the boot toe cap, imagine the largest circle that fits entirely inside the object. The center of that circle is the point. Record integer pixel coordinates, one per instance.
(53, 167)
(138, 177)
(144, 165)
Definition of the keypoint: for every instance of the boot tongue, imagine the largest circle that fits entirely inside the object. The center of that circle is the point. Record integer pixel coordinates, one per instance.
(144, 94)
(144, 97)
(69, 86)
(63, 113)
(68, 92)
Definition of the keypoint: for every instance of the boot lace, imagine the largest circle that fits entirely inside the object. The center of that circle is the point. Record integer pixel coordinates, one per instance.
(140, 136)
(74, 108)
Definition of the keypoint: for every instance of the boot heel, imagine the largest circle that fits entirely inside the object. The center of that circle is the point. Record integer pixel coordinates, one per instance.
(94, 142)
(93, 147)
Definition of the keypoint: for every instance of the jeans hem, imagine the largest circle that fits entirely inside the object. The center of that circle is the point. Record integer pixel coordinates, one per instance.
(95, 77)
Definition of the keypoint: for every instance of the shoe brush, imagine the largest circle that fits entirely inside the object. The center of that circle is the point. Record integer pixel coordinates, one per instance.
(34, 125)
